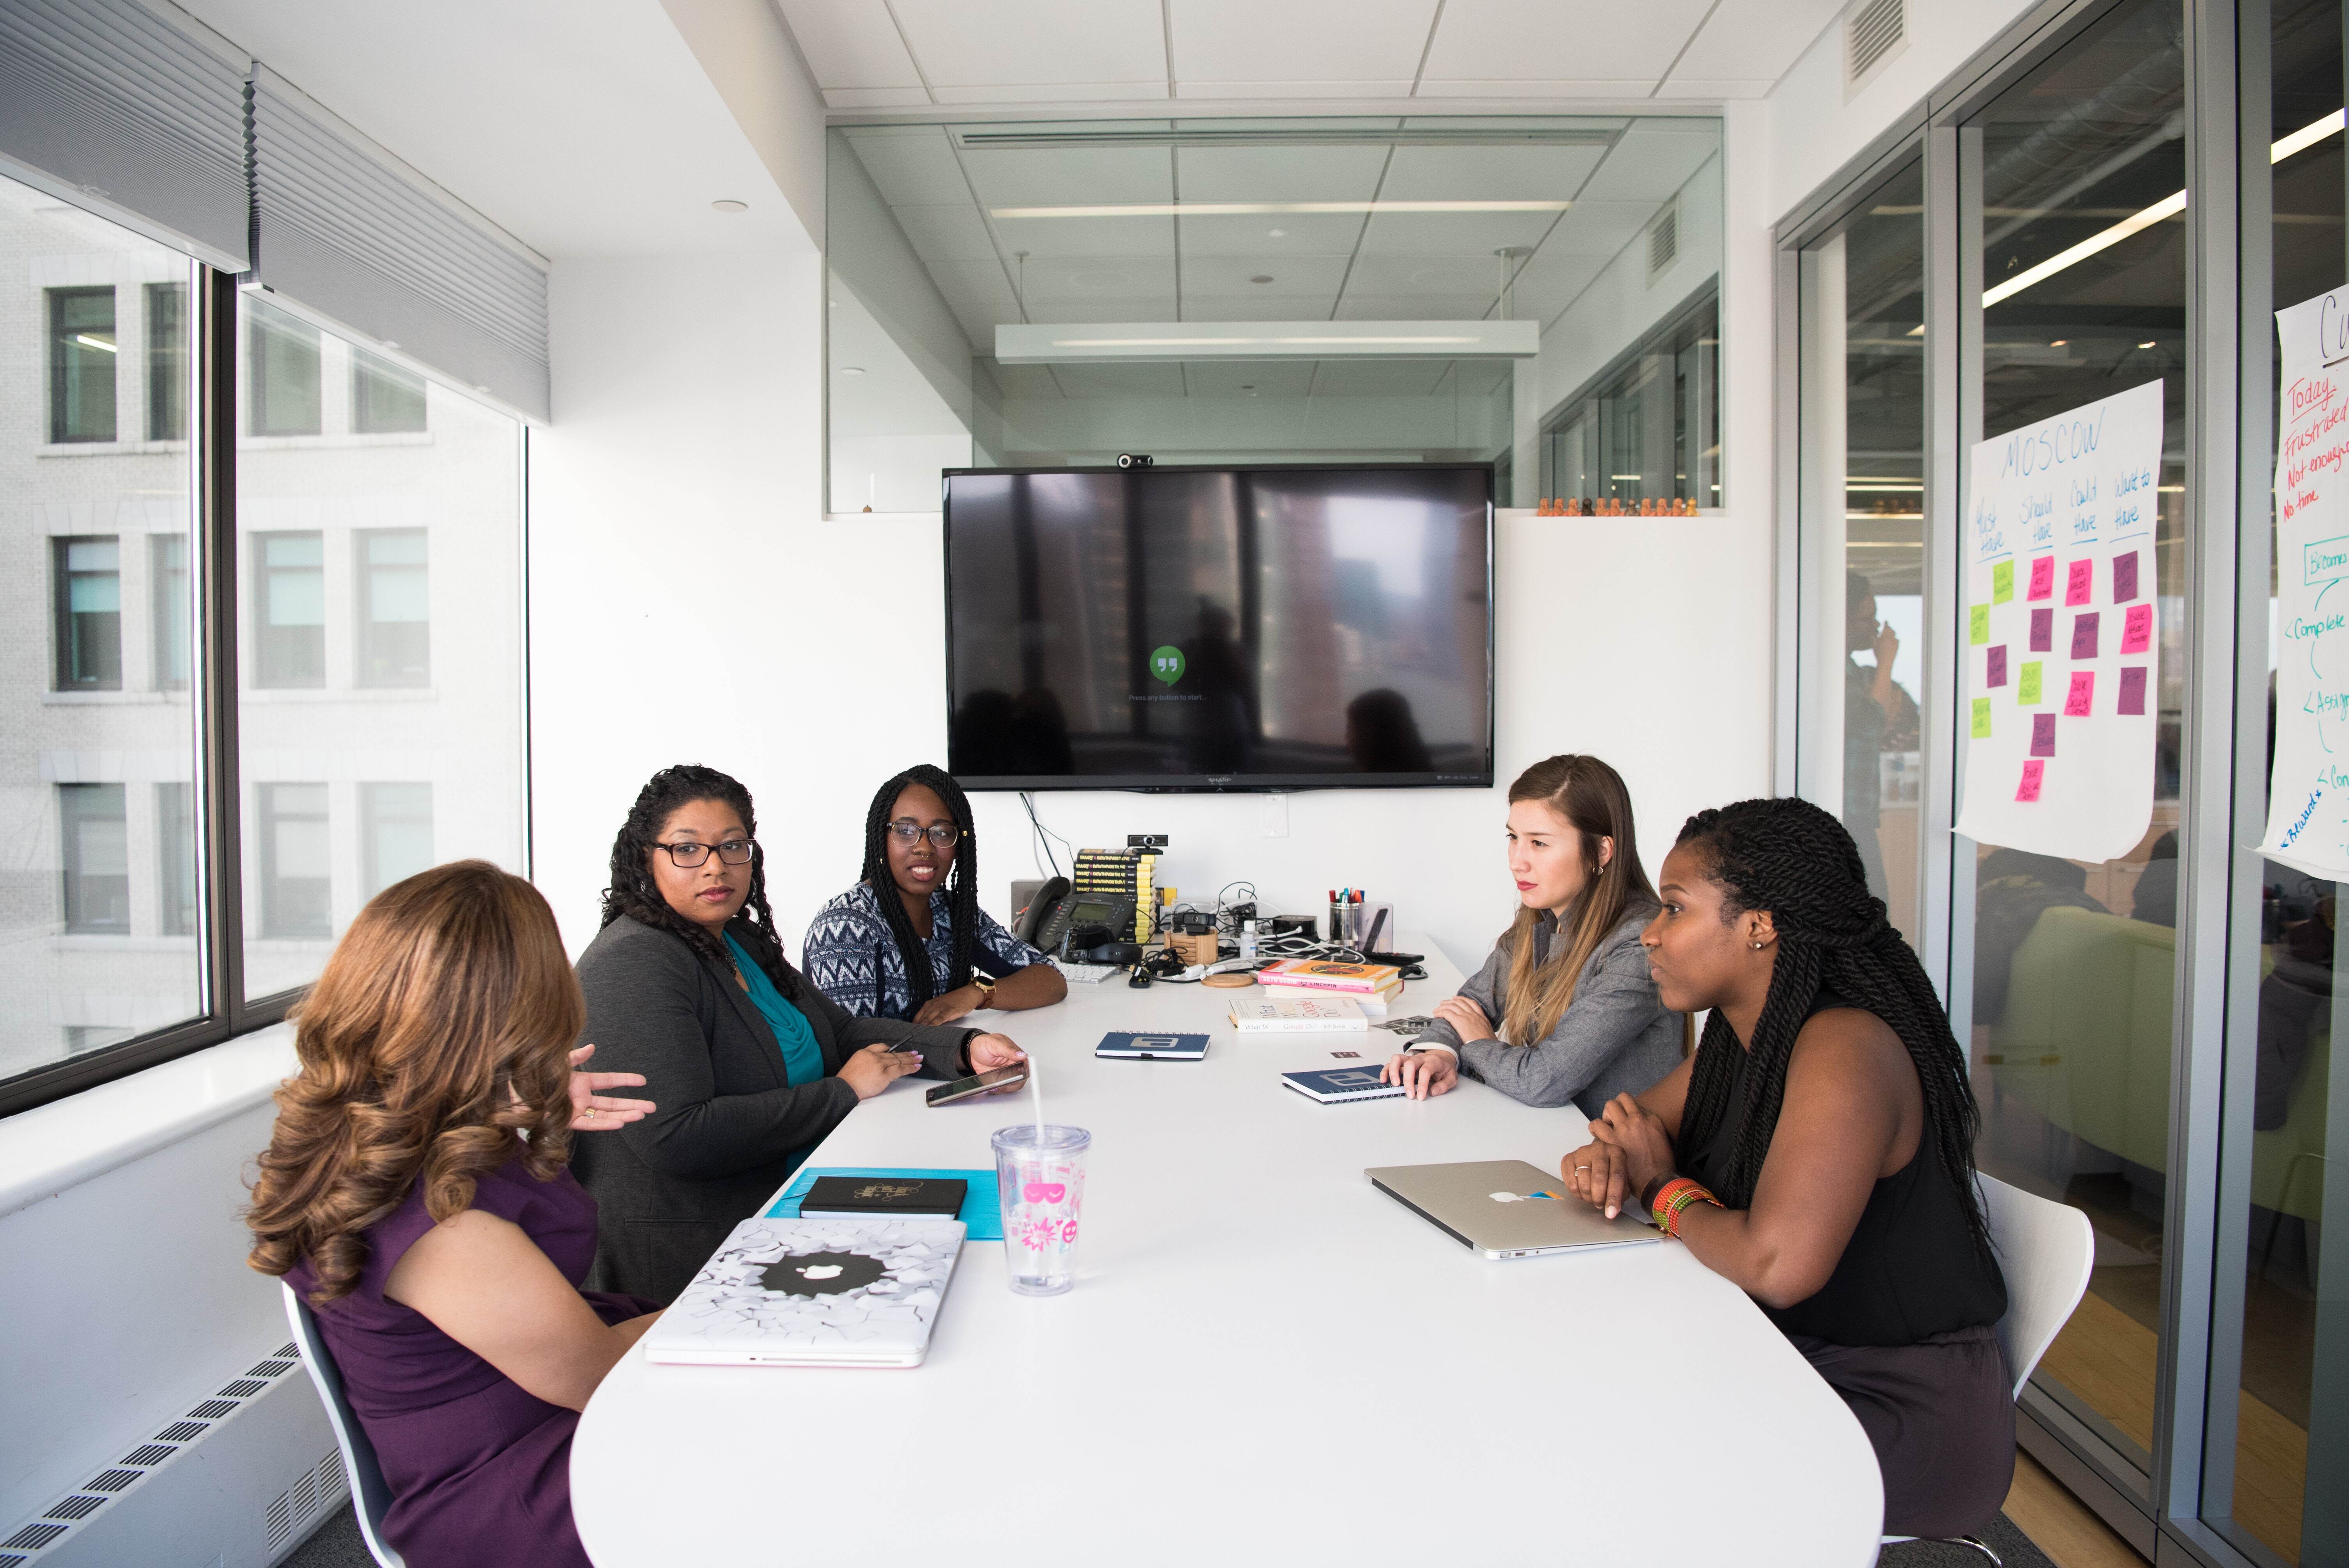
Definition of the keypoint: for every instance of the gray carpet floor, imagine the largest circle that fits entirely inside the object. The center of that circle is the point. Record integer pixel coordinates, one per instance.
(336, 1544)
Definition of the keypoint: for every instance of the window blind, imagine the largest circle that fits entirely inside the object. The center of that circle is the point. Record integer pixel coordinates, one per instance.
(104, 101)
(346, 231)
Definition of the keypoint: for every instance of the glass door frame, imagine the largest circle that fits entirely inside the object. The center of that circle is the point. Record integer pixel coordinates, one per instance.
(2222, 803)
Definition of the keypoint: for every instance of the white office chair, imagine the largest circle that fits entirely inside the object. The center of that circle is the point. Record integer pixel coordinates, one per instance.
(2046, 1250)
(369, 1495)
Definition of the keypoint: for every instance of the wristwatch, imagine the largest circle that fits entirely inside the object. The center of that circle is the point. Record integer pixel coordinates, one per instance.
(986, 984)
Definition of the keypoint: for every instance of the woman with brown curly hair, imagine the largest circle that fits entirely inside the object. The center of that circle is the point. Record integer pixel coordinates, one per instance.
(415, 1191)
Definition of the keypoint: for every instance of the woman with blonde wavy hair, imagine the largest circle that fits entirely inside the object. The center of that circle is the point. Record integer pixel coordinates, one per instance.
(415, 1191)
(1564, 1010)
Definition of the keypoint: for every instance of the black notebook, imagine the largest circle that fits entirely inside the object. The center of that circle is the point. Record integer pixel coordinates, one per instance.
(897, 1196)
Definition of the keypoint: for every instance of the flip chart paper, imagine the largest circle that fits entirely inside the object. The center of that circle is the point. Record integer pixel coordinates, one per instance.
(1997, 666)
(2075, 493)
(2002, 583)
(2308, 791)
(2137, 631)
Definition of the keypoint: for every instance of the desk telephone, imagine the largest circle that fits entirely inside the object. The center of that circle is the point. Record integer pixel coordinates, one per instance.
(1056, 913)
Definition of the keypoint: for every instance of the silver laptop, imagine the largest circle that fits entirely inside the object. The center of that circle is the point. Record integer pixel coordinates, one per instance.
(1507, 1209)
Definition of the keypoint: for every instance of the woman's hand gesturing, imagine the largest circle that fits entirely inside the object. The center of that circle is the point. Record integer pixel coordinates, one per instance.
(591, 1109)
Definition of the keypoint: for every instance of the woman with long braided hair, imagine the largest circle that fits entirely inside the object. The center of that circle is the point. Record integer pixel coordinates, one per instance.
(909, 940)
(687, 984)
(1818, 1148)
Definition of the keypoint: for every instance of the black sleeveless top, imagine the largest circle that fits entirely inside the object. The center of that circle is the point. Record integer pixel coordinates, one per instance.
(1910, 1270)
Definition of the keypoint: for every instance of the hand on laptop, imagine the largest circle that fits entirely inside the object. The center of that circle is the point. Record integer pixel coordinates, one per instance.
(1422, 1073)
(1627, 1149)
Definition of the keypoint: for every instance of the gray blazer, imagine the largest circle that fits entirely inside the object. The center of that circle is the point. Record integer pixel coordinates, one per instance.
(1615, 1037)
(668, 1189)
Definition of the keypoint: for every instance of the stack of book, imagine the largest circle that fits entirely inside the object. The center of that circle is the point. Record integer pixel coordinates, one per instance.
(1370, 986)
(1121, 873)
(1312, 1012)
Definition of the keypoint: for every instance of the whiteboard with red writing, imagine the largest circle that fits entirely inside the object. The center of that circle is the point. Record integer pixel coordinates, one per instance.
(2061, 697)
(2308, 787)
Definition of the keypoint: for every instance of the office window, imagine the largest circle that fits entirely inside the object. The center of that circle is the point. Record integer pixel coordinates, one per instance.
(96, 853)
(282, 376)
(88, 573)
(395, 833)
(395, 608)
(290, 631)
(82, 352)
(167, 579)
(384, 397)
(1648, 428)
(167, 362)
(177, 882)
(297, 860)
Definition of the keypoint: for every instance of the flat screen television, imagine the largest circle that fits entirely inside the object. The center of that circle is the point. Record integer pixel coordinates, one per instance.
(1277, 627)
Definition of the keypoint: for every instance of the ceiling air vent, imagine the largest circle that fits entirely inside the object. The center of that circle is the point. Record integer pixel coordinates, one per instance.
(1663, 242)
(1874, 31)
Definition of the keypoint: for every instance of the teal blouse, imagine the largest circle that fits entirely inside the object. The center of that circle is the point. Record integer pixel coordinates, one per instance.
(803, 1060)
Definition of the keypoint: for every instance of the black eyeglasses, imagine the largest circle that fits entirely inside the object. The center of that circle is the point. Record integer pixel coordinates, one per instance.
(942, 834)
(733, 851)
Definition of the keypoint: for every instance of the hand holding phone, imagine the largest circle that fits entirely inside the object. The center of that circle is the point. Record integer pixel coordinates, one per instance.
(997, 1080)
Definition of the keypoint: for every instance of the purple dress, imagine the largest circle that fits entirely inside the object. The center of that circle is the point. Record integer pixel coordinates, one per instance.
(480, 1470)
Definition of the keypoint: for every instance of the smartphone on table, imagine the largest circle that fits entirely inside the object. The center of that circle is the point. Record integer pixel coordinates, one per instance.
(986, 1082)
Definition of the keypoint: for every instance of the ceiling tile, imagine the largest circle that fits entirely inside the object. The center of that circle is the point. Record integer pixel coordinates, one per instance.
(1298, 40)
(1747, 38)
(850, 43)
(1293, 277)
(1398, 86)
(1020, 380)
(978, 284)
(1097, 380)
(1536, 87)
(1250, 378)
(1024, 42)
(1746, 87)
(1042, 237)
(1052, 92)
(947, 233)
(1378, 378)
(978, 324)
(1280, 174)
(1300, 235)
(1058, 281)
(1071, 177)
(1259, 305)
(1503, 40)
(1488, 173)
(1548, 283)
(912, 171)
(1597, 228)
(1363, 306)
(1652, 159)
(1452, 233)
(1475, 277)
(875, 97)
(1107, 310)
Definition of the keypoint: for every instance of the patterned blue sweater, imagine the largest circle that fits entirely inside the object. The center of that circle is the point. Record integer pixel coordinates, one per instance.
(852, 955)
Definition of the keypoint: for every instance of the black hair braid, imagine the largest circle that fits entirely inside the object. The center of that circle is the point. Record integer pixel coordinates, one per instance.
(633, 892)
(1795, 860)
(962, 887)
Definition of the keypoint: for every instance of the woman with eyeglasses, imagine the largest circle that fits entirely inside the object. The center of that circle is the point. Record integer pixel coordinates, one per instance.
(909, 940)
(686, 985)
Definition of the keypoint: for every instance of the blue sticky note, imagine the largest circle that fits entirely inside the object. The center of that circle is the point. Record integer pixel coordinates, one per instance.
(982, 1213)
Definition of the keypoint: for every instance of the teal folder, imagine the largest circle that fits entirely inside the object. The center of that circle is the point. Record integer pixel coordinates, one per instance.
(981, 1215)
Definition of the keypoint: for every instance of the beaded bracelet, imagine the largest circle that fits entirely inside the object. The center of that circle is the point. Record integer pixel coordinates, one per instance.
(1675, 1198)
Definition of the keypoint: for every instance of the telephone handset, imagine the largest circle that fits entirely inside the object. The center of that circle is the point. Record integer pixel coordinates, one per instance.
(1056, 911)
(1028, 924)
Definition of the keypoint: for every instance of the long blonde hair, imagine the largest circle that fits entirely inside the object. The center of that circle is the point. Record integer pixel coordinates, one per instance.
(1589, 797)
(440, 1030)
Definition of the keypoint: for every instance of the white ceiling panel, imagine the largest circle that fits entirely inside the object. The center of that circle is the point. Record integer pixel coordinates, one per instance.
(947, 233)
(1068, 42)
(1020, 380)
(1298, 40)
(1280, 174)
(1536, 87)
(1087, 236)
(1071, 176)
(978, 284)
(1480, 377)
(1252, 306)
(1120, 380)
(851, 43)
(1728, 88)
(1603, 39)
(1252, 377)
(1452, 233)
(1057, 281)
(1476, 273)
(1232, 277)
(1298, 234)
(1358, 305)
(913, 165)
(875, 97)
(1378, 378)
(1488, 173)
(978, 326)
(1750, 38)
(1119, 310)
(1051, 92)
(1597, 227)
(1399, 86)
(1653, 160)
(1548, 283)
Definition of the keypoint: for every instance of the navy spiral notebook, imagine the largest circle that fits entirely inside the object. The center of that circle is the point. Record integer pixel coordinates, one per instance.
(1151, 1047)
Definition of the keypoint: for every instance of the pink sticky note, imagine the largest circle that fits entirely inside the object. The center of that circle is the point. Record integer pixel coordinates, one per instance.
(2033, 772)
(2125, 577)
(2042, 631)
(2079, 582)
(2136, 629)
(1997, 674)
(2133, 689)
(2043, 578)
(2082, 696)
(2083, 633)
(2043, 735)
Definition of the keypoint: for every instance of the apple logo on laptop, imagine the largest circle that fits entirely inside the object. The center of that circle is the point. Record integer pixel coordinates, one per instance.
(822, 1274)
(1523, 1197)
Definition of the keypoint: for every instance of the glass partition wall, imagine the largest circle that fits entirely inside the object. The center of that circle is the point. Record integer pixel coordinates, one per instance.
(2121, 195)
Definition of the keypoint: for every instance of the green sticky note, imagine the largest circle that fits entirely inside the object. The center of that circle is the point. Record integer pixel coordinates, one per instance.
(2002, 583)
(1977, 625)
(2028, 691)
(1982, 718)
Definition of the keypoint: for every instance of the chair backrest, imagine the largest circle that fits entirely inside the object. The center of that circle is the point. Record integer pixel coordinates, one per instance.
(2046, 1249)
(369, 1494)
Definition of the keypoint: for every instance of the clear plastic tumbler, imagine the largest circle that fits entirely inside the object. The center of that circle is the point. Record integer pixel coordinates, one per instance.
(1039, 1176)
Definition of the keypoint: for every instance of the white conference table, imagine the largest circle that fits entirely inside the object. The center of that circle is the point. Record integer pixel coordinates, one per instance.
(1265, 1358)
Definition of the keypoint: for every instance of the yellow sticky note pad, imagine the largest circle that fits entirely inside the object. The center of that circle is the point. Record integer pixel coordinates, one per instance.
(2002, 583)
(2027, 690)
(1977, 625)
(1982, 713)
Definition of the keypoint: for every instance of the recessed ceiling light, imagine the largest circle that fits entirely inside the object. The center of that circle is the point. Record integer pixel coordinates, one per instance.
(1261, 278)
(2148, 343)
(852, 370)
(2059, 343)
(730, 206)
